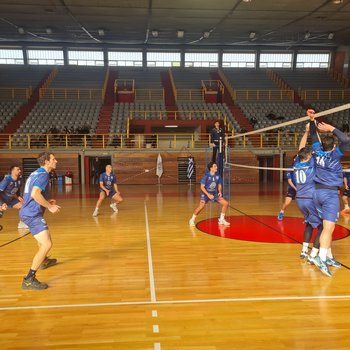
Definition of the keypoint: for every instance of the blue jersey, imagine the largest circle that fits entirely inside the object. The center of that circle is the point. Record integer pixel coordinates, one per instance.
(9, 188)
(345, 175)
(328, 169)
(211, 182)
(304, 174)
(108, 180)
(290, 175)
(38, 178)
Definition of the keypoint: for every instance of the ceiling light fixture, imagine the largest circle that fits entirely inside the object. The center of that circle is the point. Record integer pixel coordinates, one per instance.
(21, 30)
(252, 35)
(247, 0)
(180, 34)
(48, 30)
(330, 36)
(101, 32)
(155, 33)
(307, 35)
(337, 2)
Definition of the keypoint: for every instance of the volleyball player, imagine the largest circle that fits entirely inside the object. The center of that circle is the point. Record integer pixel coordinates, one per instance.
(108, 188)
(211, 190)
(346, 191)
(291, 193)
(36, 194)
(304, 173)
(10, 188)
(328, 178)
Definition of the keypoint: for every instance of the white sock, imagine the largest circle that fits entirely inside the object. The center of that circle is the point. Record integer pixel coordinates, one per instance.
(222, 216)
(323, 254)
(193, 217)
(329, 253)
(305, 247)
(314, 252)
(96, 209)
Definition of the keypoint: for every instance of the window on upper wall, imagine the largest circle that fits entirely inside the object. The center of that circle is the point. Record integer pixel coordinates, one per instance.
(85, 58)
(163, 59)
(45, 57)
(238, 60)
(125, 58)
(313, 60)
(201, 59)
(11, 56)
(276, 60)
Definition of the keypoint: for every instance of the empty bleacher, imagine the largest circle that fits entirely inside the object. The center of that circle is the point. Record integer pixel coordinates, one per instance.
(7, 110)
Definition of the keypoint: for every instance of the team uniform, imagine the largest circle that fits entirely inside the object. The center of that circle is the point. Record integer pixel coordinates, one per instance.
(347, 176)
(32, 212)
(108, 182)
(211, 184)
(9, 189)
(291, 193)
(328, 179)
(304, 173)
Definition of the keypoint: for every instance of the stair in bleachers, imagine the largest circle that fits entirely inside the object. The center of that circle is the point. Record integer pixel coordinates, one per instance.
(169, 97)
(109, 93)
(26, 108)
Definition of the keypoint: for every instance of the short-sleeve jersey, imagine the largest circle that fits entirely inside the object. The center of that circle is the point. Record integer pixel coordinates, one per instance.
(211, 182)
(304, 174)
(290, 175)
(347, 175)
(38, 178)
(9, 188)
(328, 170)
(108, 180)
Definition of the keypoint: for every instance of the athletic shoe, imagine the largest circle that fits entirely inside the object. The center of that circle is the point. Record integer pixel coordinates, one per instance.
(22, 225)
(33, 283)
(322, 266)
(223, 222)
(191, 222)
(280, 216)
(310, 260)
(47, 263)
(95, 213)
(303, 255)
(332, 262)
(114, 207)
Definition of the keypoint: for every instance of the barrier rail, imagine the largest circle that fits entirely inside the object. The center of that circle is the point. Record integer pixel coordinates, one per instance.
(10, 93)
(189, 95)
(178, 115)
(149, 95)
(273, 141)
(264, 95)
(71, 94)
(325, 95)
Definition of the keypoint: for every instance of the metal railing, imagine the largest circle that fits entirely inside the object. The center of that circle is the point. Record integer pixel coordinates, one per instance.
(189, 95)
(10, 93)
(71, 94)
(325, 95)
(175, 141)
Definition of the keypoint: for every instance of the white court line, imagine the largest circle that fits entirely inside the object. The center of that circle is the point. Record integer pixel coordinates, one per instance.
(150, 263)
(188, 301)
(155, 328)
(157, 346)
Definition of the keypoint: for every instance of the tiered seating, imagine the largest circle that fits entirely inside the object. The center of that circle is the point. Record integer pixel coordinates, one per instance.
(144, 79)
(190, 78)
(312, 79)
(249, 79)
(285, 110)
(199, 110)
(79, 77)
(7, 111)
(22, 76)
(59, 115)
(338, 119)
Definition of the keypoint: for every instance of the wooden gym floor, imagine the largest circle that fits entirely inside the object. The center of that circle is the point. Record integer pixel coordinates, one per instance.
(143, 279)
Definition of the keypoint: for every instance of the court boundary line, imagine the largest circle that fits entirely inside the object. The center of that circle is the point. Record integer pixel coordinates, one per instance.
(181, 301)
(150, 260)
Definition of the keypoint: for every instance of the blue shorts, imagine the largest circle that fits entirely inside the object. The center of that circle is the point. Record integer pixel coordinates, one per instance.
(12, 202)
(36, 224)
(308, 209)
(204, 198)
(111, 192)
(327, 204)
(346, 193)
(291, 192)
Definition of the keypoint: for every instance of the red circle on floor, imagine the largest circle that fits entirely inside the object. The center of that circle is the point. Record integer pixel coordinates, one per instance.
(259, 228)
